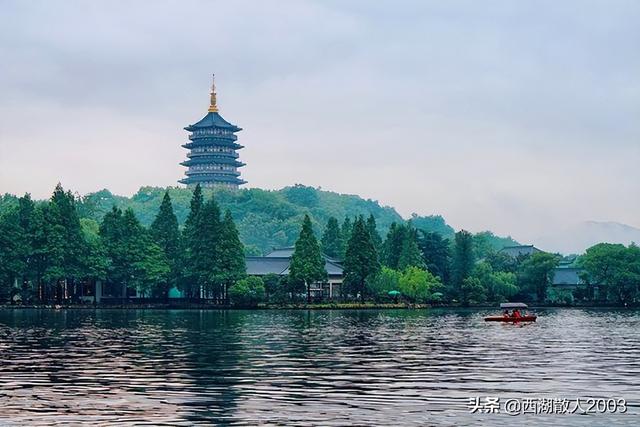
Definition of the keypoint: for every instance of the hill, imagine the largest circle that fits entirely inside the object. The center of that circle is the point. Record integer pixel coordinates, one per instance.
(268, 218)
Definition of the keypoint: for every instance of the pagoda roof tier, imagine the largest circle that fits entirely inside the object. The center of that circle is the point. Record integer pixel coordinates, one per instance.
(213, 136)
(215, 173)
(194, 179)
(213, 120)
(215, 160)
(214, 143)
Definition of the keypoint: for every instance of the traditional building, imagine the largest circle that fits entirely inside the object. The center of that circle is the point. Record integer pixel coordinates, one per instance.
(519, 251)
(278, 262)
(213, 158)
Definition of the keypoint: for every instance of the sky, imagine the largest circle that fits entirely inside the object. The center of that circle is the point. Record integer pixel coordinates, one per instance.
(521, 117)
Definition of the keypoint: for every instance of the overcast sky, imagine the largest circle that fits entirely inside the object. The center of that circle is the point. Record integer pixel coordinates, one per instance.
(515, 116)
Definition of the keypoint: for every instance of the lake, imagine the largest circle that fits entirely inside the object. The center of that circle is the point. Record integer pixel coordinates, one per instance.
(365, 367)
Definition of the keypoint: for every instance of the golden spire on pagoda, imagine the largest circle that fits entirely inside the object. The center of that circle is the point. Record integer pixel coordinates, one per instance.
(213, 108)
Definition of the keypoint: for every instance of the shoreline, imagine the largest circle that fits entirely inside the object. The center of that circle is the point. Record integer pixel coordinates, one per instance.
(317, 307)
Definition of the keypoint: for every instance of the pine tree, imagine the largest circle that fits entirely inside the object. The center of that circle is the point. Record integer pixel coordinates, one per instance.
(361, 260)
(188, 282)
(410, 255)
(373, 231)
(307, 263)
(392, 247)
(205, 250)
(68, 239)
(12, 247)
(345, 231)
(231, 262)
(436, 254)
(332, 242)
(463, 261)
(166, 234)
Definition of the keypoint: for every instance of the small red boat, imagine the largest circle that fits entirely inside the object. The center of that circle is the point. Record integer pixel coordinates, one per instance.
(510, 319)
(512, 305)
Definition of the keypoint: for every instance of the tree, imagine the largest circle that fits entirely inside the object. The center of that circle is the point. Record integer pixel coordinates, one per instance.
(462, 263)
(418, 285)
(373, 231)
(383, 282)
(345, 230)
(410, 255)
(275, 287)
(435, 253)
(615, 268)
(472, 291)
(152, 268)
(189, 242)
(231, 263)
(499, 286)
(206, 249)
(307, 263)
(361, 260)
(536, 272)
(165, 233)
(331, 241)
(13, 244)
(392, 247)
(247, 292)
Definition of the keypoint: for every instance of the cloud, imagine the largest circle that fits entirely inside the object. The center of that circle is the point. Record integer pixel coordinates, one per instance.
(518, 117)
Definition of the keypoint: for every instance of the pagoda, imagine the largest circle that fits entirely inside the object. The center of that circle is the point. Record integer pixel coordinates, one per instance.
(213, 158)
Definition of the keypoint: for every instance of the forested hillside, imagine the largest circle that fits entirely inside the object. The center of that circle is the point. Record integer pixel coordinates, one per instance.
(266, 219)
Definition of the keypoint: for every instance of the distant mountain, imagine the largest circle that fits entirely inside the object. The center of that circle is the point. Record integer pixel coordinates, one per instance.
(576, 239)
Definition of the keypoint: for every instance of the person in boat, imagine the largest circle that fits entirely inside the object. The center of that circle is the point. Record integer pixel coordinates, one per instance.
(516, 313)
(506, 313)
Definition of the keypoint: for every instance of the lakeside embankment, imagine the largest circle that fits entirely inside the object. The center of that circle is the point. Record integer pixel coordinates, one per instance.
(322, 306)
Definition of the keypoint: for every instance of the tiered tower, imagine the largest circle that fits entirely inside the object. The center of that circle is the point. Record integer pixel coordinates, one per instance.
(213, 158)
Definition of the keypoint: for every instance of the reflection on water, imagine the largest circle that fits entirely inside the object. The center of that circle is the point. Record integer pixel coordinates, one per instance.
(388, 367)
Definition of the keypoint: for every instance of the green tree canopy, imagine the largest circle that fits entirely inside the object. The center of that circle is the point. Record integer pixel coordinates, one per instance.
(307, 263)
(361, 259)
(332, 243)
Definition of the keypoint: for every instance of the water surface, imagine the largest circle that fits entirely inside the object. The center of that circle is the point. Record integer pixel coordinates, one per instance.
(369, 367)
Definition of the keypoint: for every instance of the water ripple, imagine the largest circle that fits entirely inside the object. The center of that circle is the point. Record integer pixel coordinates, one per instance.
(370, 367)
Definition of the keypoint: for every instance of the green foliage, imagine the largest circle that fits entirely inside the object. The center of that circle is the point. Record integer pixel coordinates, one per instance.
(472, 291)
(361, 259)
(332, 243)
(486, 243)
(536, 273)
(264, 219)
(275, 288)
(410, 255)
(134, 259)
(307, 263)
(231, 263)
(435, 253)
(164, 231)
(13, 246)
(372, 227)
(615, 268)
(247, 292)
(206, 249)
(433, 224)
(418, 285)
(383, 282)
(462, 263)
(500, 286)
(559, 296)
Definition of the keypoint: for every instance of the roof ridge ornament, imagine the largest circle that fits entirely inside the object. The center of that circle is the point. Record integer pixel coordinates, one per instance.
(213, 107)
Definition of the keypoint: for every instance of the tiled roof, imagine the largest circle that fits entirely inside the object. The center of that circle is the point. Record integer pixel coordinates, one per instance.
(213, 120)
(522, 250)
(260, 266)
